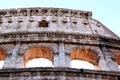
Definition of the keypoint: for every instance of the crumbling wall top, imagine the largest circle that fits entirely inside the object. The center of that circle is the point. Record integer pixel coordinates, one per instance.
(45, 11)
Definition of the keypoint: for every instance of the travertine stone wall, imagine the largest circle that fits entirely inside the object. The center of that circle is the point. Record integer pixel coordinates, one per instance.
(58, 20)
(62, 55)
(60, 35)
(56, 74)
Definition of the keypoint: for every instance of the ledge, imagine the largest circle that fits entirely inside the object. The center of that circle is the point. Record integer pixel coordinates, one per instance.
(45, 11)
(27, 37)
(59, 69)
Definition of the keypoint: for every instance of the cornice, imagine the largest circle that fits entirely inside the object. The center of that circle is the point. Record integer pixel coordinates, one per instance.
(45, 11)
(58, 36)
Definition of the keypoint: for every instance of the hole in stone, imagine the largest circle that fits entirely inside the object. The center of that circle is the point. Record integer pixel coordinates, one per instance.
(31, 19)
(96, 31)
(43, 23)
(9, 20)
(85, 21)
(64, 20)
(20, 20)
(0, 21)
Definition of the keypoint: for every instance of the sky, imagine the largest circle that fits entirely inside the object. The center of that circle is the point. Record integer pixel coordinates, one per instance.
(106, 11)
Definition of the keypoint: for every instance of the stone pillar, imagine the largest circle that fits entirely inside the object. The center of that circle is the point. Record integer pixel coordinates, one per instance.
(108, 59)
(68, 60)
(112, 64)
(12, 60)
(56, 59)
(102, 62)
(18, 62)
(8, 61)
(61, 55)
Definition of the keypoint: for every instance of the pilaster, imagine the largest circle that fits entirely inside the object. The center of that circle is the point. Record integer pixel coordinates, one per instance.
(102, 62)
(62, 62)
(111, 64)
(13, 60)
(56, 59)
(67, 59)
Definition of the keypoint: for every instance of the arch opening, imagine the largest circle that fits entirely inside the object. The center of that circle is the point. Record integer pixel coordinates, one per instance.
(84, 58)
(118, 59)
(38, 57)
(2, 57)
(116, 56)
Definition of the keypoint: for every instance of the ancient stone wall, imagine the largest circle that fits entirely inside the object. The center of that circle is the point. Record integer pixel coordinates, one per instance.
(56, 74)
(50, 19)
(59, 35)
(61, 54)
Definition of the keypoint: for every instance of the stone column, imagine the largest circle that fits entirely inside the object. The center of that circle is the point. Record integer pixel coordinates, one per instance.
(102, 62)
(12, 59)
(61, 55)
(68, 60)
(112, 65)
(108, 59)
(56, 59)
(7, 63)
(18, 62)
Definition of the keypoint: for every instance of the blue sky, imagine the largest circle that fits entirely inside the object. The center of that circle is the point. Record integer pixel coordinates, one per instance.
(106, 11)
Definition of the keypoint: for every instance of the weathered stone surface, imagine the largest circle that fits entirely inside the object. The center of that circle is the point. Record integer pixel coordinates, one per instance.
(59, 35)
(56, 74)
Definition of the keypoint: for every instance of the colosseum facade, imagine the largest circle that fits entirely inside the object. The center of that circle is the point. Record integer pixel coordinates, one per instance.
(59, 35)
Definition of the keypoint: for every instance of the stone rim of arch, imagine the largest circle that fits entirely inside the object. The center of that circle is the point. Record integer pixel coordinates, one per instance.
(24, 49)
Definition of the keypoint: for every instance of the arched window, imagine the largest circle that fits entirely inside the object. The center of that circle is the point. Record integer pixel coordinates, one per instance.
(117, 55)
(38, 57)
(2, 57)
(84, 58)
(118, 59)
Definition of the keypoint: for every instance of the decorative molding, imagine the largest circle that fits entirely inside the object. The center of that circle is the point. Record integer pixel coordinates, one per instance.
(60, 36)
(74, 21)
(54, 19)
(45, 11)
(20, 20)
(31, 19)
(98, 24)
(10, 20)
(85, 21)
(64, 20)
